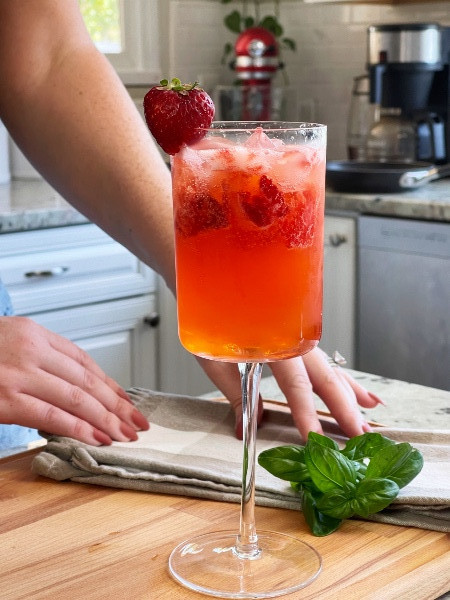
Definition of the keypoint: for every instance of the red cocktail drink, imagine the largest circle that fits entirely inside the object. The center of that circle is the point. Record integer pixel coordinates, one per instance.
(249, 246)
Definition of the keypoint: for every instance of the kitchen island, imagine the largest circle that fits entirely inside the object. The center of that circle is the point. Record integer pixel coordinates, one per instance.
(74, 540)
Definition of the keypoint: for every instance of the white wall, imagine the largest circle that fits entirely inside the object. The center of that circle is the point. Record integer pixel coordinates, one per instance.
(331, 49)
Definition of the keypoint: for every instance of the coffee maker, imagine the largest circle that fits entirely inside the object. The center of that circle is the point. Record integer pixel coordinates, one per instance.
(409, 74)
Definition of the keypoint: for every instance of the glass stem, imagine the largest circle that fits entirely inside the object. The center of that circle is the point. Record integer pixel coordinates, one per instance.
(247, 540)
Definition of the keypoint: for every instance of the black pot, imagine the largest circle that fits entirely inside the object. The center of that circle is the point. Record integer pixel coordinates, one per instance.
(350, 176)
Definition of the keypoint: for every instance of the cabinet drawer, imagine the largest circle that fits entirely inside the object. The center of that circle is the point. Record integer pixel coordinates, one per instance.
(63, 267)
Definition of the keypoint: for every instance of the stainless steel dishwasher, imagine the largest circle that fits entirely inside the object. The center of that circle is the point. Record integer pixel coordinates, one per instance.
(403, 306)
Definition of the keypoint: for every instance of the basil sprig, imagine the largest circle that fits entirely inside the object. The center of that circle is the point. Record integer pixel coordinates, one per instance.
(361, 479)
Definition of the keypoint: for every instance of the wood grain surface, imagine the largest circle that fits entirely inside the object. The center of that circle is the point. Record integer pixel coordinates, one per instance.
(69, 541)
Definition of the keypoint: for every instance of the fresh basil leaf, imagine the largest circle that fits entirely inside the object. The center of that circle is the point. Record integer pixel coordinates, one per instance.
(365, 445)
(399, 463)
(361, 480)
(323, 440)
(285, 462)
(360, 468)
(337, 503)
(295, 485)
(327, 467)
(319, 523)
(307, 484)
(374, 494)
(368, 497)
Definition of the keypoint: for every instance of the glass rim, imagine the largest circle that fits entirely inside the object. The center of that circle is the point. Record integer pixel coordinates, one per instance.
(265, 125)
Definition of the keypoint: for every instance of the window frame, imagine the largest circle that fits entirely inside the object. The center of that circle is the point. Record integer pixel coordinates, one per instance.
(139, 62)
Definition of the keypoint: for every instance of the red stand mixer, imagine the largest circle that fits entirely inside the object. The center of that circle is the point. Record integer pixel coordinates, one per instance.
(256, 63)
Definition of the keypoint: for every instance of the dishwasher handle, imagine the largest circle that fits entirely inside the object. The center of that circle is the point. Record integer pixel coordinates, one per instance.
(337, 239)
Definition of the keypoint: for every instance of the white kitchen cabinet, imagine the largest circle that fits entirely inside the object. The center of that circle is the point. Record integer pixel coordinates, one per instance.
(339, 287)
(81, 284)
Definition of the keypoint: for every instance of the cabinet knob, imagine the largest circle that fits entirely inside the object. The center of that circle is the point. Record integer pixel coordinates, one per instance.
(54, 271)
(337, 239)
(152, 319)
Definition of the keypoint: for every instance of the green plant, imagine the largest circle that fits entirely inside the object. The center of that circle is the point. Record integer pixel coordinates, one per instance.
(361, 479)
(102, 19)
(239, 20)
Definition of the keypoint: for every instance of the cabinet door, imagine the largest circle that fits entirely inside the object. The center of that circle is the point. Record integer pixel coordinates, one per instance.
(339, 287)
(116, 334)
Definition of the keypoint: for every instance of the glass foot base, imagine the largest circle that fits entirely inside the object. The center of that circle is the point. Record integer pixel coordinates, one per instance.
(210, 565)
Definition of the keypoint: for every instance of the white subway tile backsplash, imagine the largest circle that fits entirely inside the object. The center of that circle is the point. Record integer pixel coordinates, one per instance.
(331, 49)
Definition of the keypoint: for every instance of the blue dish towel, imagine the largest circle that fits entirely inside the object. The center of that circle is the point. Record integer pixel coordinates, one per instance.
(13, 438)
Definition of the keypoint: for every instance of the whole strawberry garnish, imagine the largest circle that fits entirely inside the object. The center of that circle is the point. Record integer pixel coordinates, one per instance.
(176, 113)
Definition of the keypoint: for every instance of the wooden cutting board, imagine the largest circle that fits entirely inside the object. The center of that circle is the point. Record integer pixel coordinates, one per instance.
(63, 540)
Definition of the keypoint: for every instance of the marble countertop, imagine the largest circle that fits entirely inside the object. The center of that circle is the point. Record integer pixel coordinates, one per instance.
(28, 204)
(429, 202)
(408, 405)
(34, 204)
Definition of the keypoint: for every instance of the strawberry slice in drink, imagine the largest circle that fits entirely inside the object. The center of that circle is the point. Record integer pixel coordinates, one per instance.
(298, 227)
(198, 213)
(267, 206)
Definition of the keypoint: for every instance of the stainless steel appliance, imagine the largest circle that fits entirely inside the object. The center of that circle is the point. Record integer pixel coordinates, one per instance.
(409, 79)
(403, 325)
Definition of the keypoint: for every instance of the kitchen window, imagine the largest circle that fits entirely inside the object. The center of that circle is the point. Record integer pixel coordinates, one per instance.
(127, 32)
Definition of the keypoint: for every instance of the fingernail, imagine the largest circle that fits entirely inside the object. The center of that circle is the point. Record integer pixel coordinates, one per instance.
(139, 420)
(101, 437)
(377, 399)
(366, 428)
(129, 432)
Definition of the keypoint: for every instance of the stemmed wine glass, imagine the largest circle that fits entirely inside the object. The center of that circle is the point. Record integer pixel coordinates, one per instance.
(248, 209)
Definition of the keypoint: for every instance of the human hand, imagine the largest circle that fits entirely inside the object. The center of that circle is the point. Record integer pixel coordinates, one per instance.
(298, 378)
(49, 383)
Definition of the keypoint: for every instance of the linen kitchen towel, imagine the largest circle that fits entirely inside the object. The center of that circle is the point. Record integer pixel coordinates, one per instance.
(190, 450)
